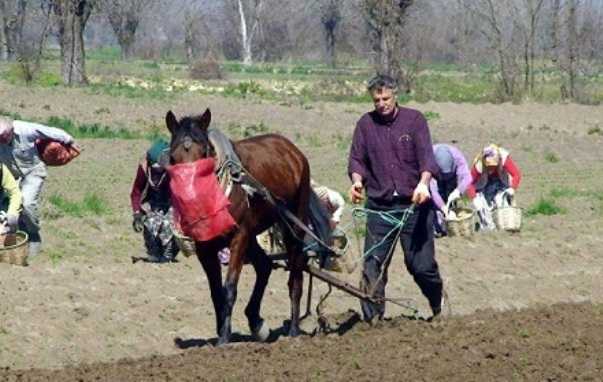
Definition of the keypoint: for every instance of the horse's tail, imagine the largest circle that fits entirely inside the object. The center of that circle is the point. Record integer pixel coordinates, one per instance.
(320, 220)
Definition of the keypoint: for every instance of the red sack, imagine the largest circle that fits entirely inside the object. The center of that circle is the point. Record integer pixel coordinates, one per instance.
(200, 206)
(55, 153)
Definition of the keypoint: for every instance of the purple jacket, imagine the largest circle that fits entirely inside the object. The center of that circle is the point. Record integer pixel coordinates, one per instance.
(391, 155)
(463, 176)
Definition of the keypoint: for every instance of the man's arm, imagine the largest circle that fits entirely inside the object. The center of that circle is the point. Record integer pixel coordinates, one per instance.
(37, 131)
(357, 165)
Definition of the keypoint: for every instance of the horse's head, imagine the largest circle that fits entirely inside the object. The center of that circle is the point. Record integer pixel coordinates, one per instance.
(190, 141)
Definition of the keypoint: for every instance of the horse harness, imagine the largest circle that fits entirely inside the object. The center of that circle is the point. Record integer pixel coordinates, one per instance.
(230, 170)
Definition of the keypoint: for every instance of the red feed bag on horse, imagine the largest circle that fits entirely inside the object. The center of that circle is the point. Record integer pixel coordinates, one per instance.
(200, 206)
(55, 153)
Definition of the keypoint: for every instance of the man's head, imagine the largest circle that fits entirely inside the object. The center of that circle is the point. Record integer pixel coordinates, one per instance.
(6, 130)
(383, 90)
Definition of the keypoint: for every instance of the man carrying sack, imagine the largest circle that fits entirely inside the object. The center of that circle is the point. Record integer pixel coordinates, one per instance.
(19, 153)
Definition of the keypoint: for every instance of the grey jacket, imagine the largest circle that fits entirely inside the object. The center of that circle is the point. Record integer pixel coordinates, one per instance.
(21, 156)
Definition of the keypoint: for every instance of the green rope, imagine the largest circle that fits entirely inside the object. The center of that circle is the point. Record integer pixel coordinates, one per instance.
(388, 216)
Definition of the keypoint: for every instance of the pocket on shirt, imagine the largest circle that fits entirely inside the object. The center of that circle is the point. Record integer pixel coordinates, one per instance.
(406, 148)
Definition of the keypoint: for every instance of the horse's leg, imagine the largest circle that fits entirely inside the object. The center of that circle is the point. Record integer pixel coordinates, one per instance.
(263, 267)
(296, 264)
(238, 246)
(211, 265)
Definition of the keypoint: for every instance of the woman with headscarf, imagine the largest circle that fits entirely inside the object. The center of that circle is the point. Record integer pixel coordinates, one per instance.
(494, 179)
(150, 199)
(452, 183)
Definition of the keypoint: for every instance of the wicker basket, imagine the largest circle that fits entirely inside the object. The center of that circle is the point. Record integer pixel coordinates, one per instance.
(508, 218)
(13, 248)
(463, 225)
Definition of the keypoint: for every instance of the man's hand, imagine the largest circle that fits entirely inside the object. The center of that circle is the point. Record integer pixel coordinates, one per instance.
(421, 194)
(355, 192)
(137, 223)
(454, 195)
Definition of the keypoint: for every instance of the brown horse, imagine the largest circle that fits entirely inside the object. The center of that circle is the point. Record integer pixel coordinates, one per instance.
(284, 171)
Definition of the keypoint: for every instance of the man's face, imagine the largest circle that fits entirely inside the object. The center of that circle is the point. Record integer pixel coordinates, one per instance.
(384, 100)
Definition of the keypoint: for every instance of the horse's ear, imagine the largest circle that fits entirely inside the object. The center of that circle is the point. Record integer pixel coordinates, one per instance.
(171, 122)
(204, 120)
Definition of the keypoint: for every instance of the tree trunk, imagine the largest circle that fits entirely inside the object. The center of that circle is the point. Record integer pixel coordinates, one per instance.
(572, 46)
(556, 14)
(331, 52)
(189, 38)
(245, 40)
(385, 20)
(330, 17)
(126, 44)
(13, 20)
(72, 16)
(3, 52)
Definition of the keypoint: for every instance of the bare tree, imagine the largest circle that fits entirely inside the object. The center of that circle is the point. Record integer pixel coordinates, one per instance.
(572, 49)
(385, 20)
(495, 25)
(33, 41)
(124, 17)
(525, 16)
(330, 17)
(71, 17)
(13, 19)
(249, 16)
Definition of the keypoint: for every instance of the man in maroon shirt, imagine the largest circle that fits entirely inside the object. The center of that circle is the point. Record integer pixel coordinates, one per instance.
(392, 159)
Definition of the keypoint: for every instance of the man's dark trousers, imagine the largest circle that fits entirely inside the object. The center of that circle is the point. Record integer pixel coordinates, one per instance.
(417, 243)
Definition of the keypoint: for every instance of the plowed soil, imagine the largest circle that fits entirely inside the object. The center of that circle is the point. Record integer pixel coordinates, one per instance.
(557, 343)
(524, 306)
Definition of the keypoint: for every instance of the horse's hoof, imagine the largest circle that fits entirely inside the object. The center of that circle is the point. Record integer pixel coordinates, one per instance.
(222, 341)
(261, 332)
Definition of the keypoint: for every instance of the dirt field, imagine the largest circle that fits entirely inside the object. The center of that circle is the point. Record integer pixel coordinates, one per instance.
(84, 302)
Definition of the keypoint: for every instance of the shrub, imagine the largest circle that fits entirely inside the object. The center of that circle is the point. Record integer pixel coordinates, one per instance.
(544, 207)
(206, 68)
(551, 157)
